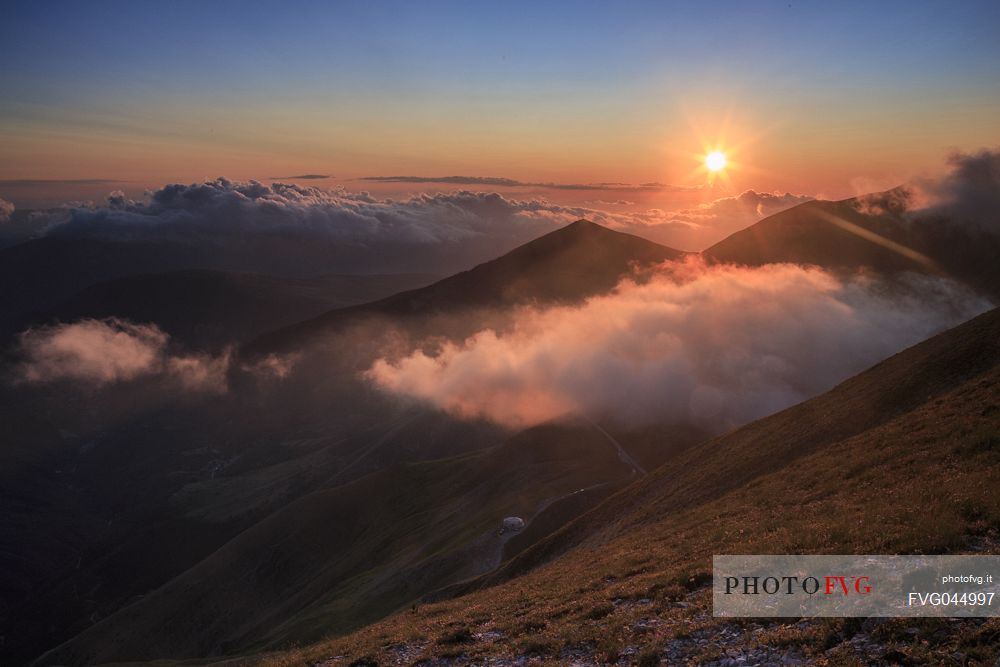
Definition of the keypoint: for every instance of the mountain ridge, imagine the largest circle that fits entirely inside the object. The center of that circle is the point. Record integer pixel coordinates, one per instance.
(567, 265)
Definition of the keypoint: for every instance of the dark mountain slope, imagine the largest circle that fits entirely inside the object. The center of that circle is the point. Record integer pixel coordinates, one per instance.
(39, 274)
(93, 515)
(845, 235)
(162, 281)
(564, 266)
(204, 308)
(903, 458)
(338, 558)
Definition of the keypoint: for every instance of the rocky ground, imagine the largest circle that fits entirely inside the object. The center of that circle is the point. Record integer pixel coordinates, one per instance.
(691, 636)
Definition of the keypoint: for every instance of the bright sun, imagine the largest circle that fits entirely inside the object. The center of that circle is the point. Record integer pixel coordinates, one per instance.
(715, 161)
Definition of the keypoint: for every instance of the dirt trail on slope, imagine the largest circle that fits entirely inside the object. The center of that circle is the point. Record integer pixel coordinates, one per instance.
(623, 455)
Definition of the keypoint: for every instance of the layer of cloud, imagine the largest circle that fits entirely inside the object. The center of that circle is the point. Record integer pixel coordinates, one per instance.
(473, 226)
(6, 211)
(221, 207)
(101, 352)
(493, 181)
(443, 232)
(45, 182)
(303, 177)
(614, 202)
(717, 346)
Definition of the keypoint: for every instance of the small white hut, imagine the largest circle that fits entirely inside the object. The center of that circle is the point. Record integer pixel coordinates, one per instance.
(511, 524)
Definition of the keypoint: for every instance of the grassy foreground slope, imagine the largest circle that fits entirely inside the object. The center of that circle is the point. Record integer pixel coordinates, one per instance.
(903, 458)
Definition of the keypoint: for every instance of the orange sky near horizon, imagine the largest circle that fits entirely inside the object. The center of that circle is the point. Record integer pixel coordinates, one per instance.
(780, 158)
(793, 154)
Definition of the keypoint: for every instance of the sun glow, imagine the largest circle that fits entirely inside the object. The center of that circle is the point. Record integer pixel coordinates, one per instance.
(715, 161)
(720, 153)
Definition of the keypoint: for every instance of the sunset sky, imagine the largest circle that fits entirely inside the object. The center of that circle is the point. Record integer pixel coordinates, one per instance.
(802, 98)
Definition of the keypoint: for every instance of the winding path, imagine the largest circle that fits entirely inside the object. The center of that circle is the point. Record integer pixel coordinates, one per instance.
(623, 455)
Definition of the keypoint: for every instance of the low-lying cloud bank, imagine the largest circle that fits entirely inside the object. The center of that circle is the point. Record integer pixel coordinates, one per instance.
(101, 352)
(6, 211)
(494, 181)
(471, 225)
(221, 208)
(718, 346)
(235, 213)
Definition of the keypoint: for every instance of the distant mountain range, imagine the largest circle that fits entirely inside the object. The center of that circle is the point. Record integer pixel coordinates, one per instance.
(57, 278)
(584, 259)
(208, 309)
(189, 290)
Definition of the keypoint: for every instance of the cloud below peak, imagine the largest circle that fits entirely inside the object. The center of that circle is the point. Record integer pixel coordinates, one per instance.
(6, 211)
(493, 181)
(103, 352)
(717, 346)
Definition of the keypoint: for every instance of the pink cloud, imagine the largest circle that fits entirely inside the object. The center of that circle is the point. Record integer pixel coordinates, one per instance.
(717, 346)
(101, 352)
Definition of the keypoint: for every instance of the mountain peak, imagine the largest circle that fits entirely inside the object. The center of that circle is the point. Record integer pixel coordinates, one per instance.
(585, 227)
(575, 261)
(583, 223)
(567, 265)
(580, 237)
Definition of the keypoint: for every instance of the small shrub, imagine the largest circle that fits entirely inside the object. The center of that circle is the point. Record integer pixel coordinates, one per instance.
(539, 649)
(460, 636)
(451, 654)
(599, 612)
(367, 661)
(649, 659)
